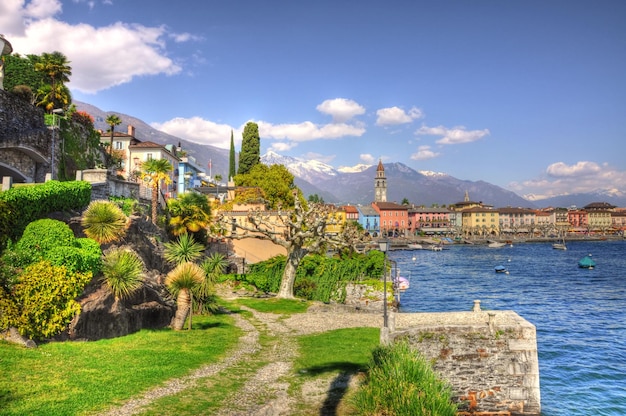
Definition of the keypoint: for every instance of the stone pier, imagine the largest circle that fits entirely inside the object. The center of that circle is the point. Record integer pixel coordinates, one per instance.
(489, 357)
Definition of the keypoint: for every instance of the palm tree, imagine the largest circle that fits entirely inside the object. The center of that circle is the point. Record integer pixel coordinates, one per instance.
(51, 97)
(104, 221)
(190, 212)
(181, 282)
(56, 67)
(123, 272)
(154, 171)
(183, 250)
(112, 120)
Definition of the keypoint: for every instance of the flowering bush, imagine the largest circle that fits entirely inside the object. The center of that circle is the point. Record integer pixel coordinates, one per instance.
(84, 118)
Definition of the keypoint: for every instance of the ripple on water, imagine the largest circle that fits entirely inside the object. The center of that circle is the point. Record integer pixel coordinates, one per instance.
(580, 314)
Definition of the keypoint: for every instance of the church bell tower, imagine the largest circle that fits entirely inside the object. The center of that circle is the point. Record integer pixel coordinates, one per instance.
(380, 184)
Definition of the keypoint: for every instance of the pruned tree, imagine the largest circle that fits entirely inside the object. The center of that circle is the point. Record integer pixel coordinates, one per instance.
(301, 231)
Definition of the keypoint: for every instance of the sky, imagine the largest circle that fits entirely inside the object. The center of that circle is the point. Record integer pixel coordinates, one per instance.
(527, 95)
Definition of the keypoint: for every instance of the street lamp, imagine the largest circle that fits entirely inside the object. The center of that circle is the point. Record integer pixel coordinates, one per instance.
(383, 245)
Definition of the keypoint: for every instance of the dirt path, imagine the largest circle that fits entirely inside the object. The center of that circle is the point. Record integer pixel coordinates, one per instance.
(267, 391)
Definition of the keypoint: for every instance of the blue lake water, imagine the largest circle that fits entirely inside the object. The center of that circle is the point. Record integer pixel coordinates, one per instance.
(580, 314)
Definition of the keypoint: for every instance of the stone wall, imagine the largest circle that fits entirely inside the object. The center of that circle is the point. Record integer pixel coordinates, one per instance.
(103, 185)
(490, 358)
(25, 141)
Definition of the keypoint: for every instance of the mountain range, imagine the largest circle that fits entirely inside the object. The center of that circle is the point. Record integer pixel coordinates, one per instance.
(356, 185)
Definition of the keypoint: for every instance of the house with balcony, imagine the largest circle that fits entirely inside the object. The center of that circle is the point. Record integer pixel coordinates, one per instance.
(394, 218)
(599, 216)
(352, 213)
(578, 221)
(517, 220)
(190, 174)
(336, 220)
(481, 221)
(369, 219)
(429, 220)
(618, 221)
(130, 153)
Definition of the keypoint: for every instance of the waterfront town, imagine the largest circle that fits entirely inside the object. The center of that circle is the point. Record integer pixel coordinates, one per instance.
(466, 219)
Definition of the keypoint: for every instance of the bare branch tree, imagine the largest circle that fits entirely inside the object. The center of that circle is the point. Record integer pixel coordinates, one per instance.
(300, 231)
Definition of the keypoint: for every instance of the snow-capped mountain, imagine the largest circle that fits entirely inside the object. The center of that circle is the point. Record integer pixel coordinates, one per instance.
(353, 169)
(355, 185)
(309, 170)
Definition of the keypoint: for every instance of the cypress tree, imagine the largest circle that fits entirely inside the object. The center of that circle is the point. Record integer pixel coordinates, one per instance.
(231, 167)
(250, 154)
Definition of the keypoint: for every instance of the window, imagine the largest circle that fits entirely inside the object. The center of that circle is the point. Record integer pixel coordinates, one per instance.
(119, 146)
(149, 156)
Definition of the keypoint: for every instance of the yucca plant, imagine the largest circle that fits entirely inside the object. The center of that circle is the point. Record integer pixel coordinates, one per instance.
(182, 282)
(104, 222)
(213, 267)
(184, 249)
(123, 272)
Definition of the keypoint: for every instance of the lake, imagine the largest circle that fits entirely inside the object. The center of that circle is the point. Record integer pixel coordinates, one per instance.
(580, 314)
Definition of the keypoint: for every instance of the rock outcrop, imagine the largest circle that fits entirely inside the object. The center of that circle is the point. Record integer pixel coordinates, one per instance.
(103, 316)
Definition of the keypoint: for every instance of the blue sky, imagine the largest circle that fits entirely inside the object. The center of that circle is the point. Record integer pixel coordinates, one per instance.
(528, 95)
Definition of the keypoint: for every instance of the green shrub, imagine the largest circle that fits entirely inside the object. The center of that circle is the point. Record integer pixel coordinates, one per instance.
(318, 277)
(400, 381)
(128, 205)
(44, 296)
(76, 259)
(43, 235)
(304, 288)
(31, 203)
(7, 223)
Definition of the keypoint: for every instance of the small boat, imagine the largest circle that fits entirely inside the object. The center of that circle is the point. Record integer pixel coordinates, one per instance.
(560, 246)
(587, 262)
(496, 244)
(501, 269)
(401, 283)
(436, 247)
(414, 246)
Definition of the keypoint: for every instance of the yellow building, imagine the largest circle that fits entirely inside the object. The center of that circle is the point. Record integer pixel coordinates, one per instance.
(479, 221)
(337, 218)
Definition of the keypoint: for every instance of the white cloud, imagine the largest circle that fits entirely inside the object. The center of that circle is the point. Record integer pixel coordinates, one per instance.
(396, 115)
(455, 135)
(319, 157)
(15, 15)
(279, 147)
(100, 57)
(341, 109)
(424, 153)
(563, 179)
(183, 37)
(201, 131)
(583, 168)
(367, 158)
(307, 131)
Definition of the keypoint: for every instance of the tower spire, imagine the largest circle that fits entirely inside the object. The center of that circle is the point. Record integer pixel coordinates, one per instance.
(380, 183)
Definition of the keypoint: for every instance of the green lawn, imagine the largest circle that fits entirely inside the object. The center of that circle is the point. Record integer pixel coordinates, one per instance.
(73, 378)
